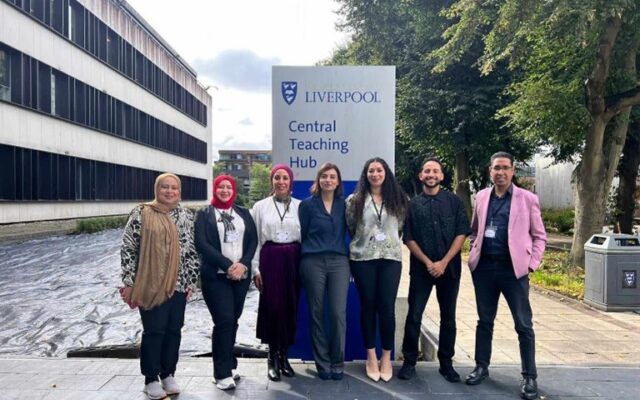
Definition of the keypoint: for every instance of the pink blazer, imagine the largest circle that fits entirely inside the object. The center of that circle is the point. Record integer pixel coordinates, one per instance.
(527, 237)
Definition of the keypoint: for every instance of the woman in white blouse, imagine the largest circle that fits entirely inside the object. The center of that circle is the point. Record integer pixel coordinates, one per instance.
(275, 268)
(375, 215)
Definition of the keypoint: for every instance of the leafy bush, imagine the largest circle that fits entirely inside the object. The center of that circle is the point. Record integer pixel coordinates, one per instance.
(90, 225)
(560, 221)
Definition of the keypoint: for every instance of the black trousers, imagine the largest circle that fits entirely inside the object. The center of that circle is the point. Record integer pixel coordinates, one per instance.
(377, 282)
(490, 279)
(161, 334)
(225, 301)
(420, 287)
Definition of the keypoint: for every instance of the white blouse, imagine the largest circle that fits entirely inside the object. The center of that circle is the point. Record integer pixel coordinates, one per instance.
(278, 225)
(232, 249)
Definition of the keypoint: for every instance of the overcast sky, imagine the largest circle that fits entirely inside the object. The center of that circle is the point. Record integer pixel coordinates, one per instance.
(233, 44)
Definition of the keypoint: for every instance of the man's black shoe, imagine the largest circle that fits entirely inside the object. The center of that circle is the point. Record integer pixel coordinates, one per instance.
(407, 372)
(449, 374)
(529, 388)
(477, 375)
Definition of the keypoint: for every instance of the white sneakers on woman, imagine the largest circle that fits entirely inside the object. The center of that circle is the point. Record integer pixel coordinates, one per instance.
(170, 385)
(226, 383)
(154, 391)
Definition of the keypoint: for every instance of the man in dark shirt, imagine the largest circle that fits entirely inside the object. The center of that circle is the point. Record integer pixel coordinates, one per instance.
(507, 243)
(434, 232)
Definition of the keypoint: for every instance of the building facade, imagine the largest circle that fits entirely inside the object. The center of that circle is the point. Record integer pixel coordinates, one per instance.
(93, 105)
(237, 163)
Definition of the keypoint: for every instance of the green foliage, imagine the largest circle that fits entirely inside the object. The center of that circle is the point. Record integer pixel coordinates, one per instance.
(446, 114)
(560, 221)
(218, 168)
(558, 274)
(260, 183)
(90, 225)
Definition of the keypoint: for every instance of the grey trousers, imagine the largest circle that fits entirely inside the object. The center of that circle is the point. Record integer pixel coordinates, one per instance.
(320, 274)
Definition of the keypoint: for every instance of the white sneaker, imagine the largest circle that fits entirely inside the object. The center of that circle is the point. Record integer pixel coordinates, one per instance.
(154, 390)
(235, 374)
(226, 384)
(170, 385)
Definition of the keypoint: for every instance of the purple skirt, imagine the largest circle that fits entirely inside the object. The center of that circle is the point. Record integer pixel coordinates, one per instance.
(278, 308)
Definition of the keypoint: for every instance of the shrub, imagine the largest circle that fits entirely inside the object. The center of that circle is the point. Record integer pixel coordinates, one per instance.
(558, 220)
(90, 225)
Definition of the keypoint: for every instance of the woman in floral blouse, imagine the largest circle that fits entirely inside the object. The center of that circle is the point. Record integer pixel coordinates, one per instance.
(160, 269)
(375, 214)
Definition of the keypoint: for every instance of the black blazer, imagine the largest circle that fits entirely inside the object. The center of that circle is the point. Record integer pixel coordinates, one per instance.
(208, 240)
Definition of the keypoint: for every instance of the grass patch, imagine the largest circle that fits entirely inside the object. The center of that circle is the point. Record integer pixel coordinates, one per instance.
(91, 225)
(558, 274)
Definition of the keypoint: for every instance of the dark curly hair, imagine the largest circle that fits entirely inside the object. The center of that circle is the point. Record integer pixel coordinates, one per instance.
(395, 199)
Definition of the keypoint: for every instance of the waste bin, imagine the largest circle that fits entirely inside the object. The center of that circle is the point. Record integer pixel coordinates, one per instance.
(612, 269)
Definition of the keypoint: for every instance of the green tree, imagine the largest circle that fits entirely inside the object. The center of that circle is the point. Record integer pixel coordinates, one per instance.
(218, 168)
(578, 82)
(260, 182)
(448, 114)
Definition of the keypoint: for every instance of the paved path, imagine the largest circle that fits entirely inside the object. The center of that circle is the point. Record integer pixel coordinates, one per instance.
(567, 332)
(91, 379)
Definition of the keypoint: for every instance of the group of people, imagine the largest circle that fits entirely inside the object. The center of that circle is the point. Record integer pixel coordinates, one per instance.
(283, 244)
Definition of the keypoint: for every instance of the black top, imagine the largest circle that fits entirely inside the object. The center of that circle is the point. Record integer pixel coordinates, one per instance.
(498, 217)
(208, 241)
(433, 222)
(322, 232)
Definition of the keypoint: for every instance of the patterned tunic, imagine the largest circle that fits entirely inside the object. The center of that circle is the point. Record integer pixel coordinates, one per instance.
(189, 268)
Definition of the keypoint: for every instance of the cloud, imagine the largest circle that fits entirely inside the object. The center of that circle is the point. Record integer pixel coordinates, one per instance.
(246, 122)
(238, 68)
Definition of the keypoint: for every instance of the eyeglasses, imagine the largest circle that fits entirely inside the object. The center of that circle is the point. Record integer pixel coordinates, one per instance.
(498, 168)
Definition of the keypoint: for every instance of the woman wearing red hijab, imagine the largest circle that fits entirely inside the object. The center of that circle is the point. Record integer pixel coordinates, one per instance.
(226, 238)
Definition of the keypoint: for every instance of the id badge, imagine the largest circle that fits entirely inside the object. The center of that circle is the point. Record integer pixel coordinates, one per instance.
(490, 232)
(380, 236)
(231, 237)
(282, 237)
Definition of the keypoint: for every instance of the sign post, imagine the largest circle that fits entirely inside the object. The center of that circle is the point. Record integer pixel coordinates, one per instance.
(339, 114)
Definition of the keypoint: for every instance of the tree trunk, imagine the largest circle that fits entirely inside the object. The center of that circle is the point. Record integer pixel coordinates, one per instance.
(628, 173)
(461, 180)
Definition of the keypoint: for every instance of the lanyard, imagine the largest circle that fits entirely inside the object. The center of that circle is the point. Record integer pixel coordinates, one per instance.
(278, 210)
(496, 210)
(378, 213)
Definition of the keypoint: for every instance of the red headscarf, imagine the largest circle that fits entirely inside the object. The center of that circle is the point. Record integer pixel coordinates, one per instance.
(216, 202)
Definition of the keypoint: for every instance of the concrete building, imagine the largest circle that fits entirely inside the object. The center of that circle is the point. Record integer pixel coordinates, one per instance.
(237, 163)
(93, 105)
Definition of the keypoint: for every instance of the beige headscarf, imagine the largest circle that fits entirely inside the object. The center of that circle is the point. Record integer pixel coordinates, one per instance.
(159, 256)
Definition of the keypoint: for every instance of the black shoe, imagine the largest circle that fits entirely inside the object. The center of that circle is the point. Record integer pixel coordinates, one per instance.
(324, 375)
(477, 375)
(273, 363)
(285, 366)
(337, 376)
(529, 388)
(449, 374)
(407, 372)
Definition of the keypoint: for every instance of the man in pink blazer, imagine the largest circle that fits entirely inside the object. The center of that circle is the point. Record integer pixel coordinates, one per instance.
(507, 242)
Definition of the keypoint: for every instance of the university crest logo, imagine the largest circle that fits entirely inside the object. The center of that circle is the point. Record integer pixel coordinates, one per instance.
(289, 91)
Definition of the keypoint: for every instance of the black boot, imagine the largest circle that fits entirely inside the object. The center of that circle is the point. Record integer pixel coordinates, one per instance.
(285, 367)
(273, 363)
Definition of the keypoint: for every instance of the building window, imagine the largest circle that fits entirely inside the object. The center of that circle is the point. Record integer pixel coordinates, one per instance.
(5, 76)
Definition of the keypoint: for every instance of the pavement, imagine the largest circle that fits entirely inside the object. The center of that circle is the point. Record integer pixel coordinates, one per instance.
(82, 379)
(582, 353)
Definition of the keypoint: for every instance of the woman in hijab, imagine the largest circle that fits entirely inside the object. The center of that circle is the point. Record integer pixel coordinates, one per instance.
(159, 272)
(275, 269)
(226, 239)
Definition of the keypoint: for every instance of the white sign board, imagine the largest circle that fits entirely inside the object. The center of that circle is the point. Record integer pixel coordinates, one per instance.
(343, 114)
